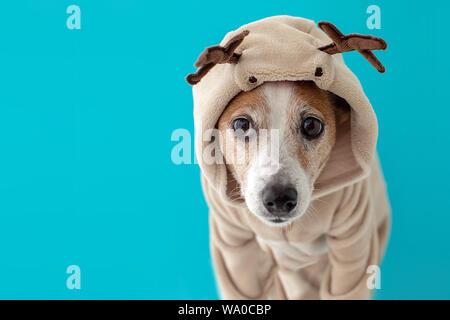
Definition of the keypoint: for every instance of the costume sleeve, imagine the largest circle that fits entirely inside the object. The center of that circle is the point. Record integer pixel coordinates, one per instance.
(353, 246)
(243, 270)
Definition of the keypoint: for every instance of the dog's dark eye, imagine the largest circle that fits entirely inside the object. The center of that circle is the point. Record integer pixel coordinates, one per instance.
(312, 128)
(241, 124)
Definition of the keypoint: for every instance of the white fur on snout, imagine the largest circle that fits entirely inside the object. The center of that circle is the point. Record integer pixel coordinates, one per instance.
(266, 172)
(274, 163)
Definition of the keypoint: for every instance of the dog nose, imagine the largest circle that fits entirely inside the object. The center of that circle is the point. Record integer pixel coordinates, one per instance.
(279, 200)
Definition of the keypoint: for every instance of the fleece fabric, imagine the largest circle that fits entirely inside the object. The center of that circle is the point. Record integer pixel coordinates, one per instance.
(326, 252)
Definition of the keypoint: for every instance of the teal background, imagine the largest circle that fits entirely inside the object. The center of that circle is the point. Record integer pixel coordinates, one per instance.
(86, 118)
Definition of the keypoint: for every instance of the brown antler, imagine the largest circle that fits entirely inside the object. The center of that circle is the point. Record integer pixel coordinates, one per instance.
(216, 55)
(345, 43)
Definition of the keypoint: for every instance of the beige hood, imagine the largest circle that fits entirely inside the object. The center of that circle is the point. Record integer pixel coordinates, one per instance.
(290, 48)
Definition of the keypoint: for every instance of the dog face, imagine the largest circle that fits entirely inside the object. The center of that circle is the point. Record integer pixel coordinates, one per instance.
(276, 139)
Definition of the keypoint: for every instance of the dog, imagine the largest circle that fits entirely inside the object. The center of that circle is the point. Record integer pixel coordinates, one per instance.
(285, 140)
(307, 118)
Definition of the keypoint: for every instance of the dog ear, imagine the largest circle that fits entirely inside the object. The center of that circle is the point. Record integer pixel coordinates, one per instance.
(233, 187)
(341, 109)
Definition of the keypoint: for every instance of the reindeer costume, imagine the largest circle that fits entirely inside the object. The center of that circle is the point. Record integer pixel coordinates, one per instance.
(326, 252)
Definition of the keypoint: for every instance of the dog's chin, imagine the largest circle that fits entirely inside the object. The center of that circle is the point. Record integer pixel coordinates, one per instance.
(280, 221)
(256, 208)
(275, 221)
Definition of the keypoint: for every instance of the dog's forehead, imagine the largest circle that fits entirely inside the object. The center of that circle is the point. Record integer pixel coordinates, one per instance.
(312, 96)
(283, 98)
(273, 103)
(278, 94)
(252, 102)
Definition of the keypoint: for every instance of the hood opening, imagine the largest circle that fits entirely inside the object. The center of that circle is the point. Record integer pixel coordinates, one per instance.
(278, 49)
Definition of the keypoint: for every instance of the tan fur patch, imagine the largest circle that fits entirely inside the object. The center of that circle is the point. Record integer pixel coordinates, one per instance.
(251, 102)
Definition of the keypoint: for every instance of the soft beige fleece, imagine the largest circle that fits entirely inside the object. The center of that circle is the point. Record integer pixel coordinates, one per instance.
(326, 252)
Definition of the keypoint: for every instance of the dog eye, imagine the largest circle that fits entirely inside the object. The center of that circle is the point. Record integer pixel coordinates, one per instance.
(312, 128)
(241, 124)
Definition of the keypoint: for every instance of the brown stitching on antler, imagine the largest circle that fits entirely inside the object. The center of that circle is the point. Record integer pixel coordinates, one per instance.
(364, 44)
(216, 55)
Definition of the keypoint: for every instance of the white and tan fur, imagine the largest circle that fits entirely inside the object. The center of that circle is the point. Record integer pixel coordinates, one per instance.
(280, 107)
